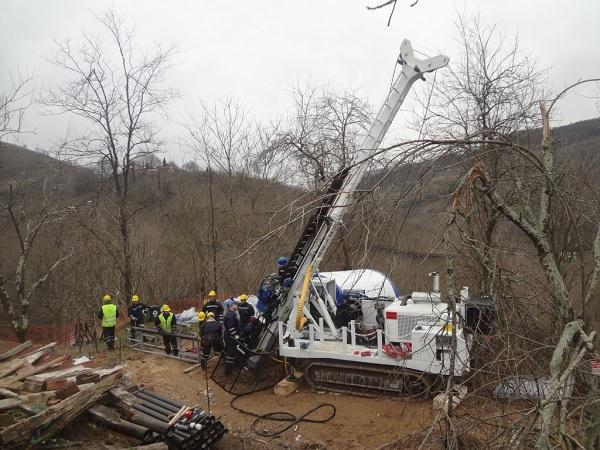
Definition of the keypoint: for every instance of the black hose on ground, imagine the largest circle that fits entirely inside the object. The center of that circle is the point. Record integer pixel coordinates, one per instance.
(280, 416)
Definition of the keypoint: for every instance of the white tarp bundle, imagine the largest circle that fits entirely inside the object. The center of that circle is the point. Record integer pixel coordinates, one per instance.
(369, 282)
(187, 317)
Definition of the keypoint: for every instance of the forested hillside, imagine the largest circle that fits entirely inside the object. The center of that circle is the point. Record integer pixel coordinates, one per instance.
(396, 228)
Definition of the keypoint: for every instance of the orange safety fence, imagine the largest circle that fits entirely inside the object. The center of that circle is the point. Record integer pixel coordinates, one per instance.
(65, 333)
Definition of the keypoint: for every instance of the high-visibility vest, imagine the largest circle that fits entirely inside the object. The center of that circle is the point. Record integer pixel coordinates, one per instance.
(109, 315)
(165, 324)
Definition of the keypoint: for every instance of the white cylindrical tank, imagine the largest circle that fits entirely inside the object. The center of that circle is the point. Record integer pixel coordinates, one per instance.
(368, 282)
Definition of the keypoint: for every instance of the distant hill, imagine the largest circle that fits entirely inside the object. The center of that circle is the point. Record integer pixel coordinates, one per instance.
(24, 167)
(16, 160)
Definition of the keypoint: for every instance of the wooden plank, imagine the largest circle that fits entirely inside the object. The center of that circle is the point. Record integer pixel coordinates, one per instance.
(9, 403)
(11, 385)
(64, 373)
(54, 418)
(11, 366)
(7, 393)
(189, 369)
(15, 350)
(105, 372)
(32, 370)
(32, 357)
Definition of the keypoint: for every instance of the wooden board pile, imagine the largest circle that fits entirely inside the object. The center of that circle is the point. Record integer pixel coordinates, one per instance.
(42, 393)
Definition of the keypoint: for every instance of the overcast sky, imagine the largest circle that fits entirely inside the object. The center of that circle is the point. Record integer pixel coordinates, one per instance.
(256, 51)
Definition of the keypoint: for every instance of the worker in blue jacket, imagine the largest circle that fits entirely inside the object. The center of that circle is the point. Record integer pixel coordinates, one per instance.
(232, 332)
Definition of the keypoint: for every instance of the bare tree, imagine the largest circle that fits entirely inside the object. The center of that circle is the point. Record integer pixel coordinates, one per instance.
(323, 133)
(221, 137)
(491, 90)
(531, 210)
(117, 94)
(13, 105)
(28, 226)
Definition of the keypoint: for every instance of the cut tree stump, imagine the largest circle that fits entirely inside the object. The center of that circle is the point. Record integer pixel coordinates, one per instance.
(15, 350)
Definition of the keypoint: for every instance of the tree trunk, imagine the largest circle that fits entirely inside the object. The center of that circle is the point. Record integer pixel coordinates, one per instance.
(127, 274)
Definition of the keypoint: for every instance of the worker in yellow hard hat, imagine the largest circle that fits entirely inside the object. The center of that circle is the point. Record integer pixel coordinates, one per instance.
(108, 317)
(166, 323)
(201, 316)
(212, 338)
(136, 313)
(245, 310)
(213, 305)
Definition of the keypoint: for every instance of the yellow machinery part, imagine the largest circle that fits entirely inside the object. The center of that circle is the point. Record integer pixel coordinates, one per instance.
(303, 295)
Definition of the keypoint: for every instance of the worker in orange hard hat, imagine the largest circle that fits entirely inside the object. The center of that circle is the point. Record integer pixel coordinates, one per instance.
(213, 305)
(166, 323)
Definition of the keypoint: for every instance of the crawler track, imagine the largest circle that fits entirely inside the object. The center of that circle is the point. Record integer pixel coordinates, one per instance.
(368, 381)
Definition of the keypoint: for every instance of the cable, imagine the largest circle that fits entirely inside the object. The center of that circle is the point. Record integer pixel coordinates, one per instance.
(281, 416)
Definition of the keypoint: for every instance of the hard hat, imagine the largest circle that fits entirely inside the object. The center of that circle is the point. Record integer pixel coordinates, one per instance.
(201, 316)
(212, 294)
(282, 261)
(106, 298)
(135, 298)
(165, 308)
(210, 315)
(243, 298)
(228, 303)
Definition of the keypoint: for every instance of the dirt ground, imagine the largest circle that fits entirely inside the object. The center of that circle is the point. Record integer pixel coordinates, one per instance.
(360, 423)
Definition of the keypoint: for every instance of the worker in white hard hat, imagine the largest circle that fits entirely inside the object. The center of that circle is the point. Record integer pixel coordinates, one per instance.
(108, 316)
(166, 323)
(213, 305)
(136, 313)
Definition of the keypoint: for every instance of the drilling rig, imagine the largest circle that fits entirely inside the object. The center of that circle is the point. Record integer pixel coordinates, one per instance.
(411, 348)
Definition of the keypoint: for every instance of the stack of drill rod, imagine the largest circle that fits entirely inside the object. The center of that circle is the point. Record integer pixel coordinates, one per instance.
(198, 429)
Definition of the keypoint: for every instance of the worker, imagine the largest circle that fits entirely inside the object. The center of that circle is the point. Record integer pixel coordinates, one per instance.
(212, 338)
(282, 263)
(245, 310)
(136, 313)
(108, 315)
(165, 323)
(212, 305)
(251, 331)
(201, 322)
(232, 338)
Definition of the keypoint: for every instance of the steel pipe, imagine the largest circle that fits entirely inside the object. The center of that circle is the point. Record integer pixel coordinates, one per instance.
(160, 397)
(148, 398)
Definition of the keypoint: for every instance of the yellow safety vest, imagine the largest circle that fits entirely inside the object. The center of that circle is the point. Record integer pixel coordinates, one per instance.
(109, 315)
(165, 324)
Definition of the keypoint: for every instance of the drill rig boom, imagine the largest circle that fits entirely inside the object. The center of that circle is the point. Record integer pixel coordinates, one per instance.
(322, 226)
